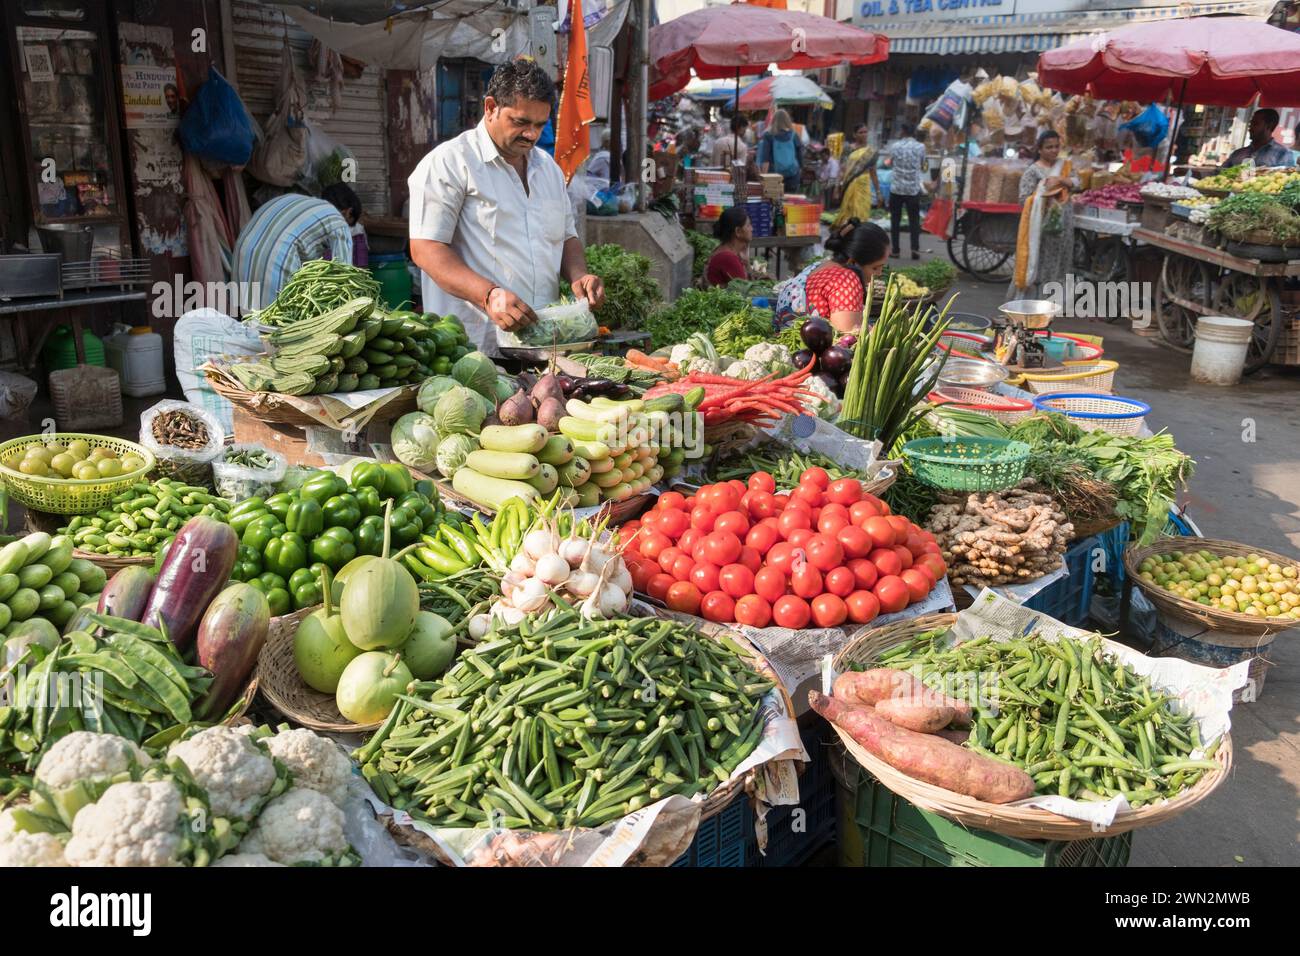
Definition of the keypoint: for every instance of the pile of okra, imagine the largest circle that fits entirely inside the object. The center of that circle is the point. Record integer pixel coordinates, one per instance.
(569, 723)
(1072, 716)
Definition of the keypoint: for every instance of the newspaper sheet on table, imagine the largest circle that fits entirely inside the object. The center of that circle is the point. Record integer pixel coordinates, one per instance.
(1020, 593)
(656, 835)
(797, 656)
(1204, 692)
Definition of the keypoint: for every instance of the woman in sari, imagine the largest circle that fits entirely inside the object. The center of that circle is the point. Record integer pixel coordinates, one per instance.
(1045, 243)
(858, 180)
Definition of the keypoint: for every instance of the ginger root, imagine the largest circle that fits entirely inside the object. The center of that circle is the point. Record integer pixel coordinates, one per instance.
(1000, 537)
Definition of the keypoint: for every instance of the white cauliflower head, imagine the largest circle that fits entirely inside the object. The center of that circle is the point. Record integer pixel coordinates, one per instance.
(7, 826)
(769, 353)
(234, 771)
(746, 369)
(84, 755)
(300, 826)
(133, 824)
(316, 762)
(680, 353)
(826, 405)
(32, 849)
(244, 859)
(699, 364)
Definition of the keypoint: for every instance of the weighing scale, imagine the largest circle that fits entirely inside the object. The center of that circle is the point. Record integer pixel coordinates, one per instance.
(1015, 344)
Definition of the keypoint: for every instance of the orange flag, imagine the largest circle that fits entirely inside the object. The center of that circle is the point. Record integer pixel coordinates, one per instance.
(572, 141)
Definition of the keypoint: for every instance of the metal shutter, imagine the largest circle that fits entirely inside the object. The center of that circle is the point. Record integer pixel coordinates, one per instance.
(360, 123)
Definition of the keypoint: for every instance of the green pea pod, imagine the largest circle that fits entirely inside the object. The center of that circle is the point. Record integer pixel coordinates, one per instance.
(160, 686)
(146, 651)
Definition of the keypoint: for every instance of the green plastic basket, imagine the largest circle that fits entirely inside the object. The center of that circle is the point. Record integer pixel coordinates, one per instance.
(967, 464)
(69, 496)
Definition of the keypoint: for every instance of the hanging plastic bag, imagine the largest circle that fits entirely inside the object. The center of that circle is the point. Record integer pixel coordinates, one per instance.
(1149, 127)
(949, 110)
(16, 394)
(280, 157)
(205, 334)
(217, 127)
(327, 161)
(556, 325)
(186, 449)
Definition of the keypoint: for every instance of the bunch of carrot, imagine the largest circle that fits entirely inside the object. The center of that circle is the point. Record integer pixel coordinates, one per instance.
(650, 363)
(760, 402)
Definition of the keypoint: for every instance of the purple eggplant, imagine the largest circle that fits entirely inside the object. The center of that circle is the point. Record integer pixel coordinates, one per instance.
(197, 567)
(847, 342)
(802, 358)
(817, 334)
(126, 595)
(835, 361)
(231, 635)
(830, 381)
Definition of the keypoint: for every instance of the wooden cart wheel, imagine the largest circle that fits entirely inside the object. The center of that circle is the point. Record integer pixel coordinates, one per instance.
(1182, 297)
(1254, 299)
(984, 252)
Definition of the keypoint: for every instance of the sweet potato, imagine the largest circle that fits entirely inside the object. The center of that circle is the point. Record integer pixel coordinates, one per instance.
(915, 714)
(958, 737)
(871, 687)
(927, 757)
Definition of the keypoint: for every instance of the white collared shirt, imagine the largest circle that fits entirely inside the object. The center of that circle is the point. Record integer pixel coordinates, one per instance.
(465, 194)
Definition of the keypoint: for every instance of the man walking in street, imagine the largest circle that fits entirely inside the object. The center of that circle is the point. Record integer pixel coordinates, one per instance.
(910, 164)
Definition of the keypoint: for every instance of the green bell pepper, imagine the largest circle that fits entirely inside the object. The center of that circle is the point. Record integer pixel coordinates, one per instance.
(322, 487)
(441, 365)
(426, 487)
(369, 474)
(258, 534)
(405, 525)
(335, 547)
(306, 595)
(248, 564)
(342, 511)
(369, 501)
(397, 481)
(280, 504)
(302, 576)
(419, 504)
(277, 597)
(306, 517)
(270, 581)
(285, 554)
(370, 535)
(243, 514)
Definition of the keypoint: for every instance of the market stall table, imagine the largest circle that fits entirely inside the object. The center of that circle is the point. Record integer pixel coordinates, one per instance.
(795, 243)
(1197, 279)
(73, 301)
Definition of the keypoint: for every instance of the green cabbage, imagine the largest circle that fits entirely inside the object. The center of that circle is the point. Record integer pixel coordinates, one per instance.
(506, 386)
(452, 452)
(432, 389)
(415, 441)
(459, 410)
(476, 371)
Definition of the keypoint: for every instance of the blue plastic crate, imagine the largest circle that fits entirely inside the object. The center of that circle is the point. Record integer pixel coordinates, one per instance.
(724, 839)
(1070, 598)
(787, 846)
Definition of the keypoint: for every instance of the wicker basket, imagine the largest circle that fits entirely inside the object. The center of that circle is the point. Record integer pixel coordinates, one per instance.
(967, 344)
(1215, 619)
(1119, 416)
(274, 408)
(86, 396)
(1029, 823)
(277, 674)
(70, 496)
(967, 464)
(998, 407)
(1096, 376)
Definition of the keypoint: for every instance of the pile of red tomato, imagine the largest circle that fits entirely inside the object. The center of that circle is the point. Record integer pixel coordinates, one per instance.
(821, 555)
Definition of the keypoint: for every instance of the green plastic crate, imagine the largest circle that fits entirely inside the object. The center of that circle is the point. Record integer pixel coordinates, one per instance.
(879, 828)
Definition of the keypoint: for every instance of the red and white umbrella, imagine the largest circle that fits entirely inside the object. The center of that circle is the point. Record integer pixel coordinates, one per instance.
(719, 42)
(1214, 61)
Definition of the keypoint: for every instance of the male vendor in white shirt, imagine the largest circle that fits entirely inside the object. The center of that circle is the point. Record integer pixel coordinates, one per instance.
(491, 223)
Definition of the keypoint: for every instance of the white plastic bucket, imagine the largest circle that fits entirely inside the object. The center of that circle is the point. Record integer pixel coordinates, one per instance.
(1220, 351)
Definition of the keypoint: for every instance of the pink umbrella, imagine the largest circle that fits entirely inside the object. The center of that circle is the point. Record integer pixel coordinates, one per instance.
(719, 42)
(1215, 61)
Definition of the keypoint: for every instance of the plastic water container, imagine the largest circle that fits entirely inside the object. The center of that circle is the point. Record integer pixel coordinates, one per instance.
(137, 357)
(1220, 351)
(60, 349)
(394, 279)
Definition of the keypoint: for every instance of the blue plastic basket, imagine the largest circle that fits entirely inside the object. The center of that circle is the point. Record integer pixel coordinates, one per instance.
(1069, 599)
(792, 840)
(1090, 410)
(725, 839)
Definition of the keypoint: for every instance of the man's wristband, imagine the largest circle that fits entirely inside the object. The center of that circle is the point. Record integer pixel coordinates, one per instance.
(489, 296)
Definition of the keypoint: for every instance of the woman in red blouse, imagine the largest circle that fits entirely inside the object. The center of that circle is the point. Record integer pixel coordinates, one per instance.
(836, 290)
(728, 260)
